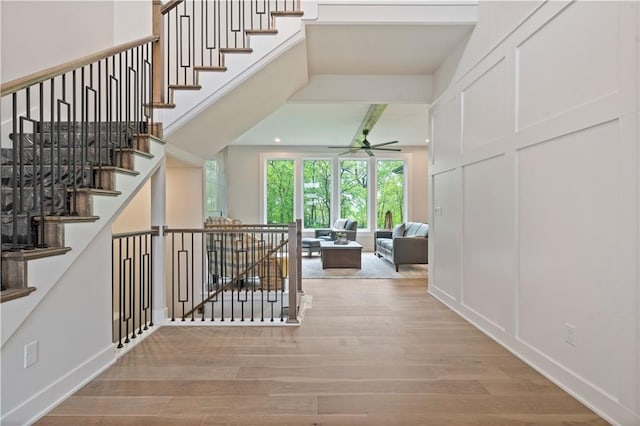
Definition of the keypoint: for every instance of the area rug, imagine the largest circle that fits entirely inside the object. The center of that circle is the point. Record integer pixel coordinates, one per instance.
(372, 267)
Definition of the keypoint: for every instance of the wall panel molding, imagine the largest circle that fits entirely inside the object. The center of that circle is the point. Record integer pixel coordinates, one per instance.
(569, 163)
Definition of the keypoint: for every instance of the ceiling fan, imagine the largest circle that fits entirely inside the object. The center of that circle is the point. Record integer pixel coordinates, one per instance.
(365, 145)
(360, 143)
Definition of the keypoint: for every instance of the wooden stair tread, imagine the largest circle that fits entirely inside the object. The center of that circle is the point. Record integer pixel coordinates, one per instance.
(287, 13)
(270, 31)
(214, 69)
(15, 293)
(117, 170)
(157, 139)
(160, 105)
(37, 253)
(135, 151)
(96, 191)
(69, 219)
(185, 86)
(236, 50)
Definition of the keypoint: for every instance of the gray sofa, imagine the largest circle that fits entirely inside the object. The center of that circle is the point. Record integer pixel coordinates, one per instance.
(406, 244)
(347, 226)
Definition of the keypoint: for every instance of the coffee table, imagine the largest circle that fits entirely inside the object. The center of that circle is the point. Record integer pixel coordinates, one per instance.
(341, 255)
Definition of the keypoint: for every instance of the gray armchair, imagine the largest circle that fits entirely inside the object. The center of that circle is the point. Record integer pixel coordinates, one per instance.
(347, 226)
(408, 243)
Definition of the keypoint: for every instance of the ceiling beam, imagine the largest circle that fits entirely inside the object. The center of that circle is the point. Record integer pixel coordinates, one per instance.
(369, 120)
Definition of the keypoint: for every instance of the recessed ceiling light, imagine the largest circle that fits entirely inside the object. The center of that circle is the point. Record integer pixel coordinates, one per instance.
(276, 140)
(426, 140)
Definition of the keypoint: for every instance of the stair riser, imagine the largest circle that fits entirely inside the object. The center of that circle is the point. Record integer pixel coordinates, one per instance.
(14, 273)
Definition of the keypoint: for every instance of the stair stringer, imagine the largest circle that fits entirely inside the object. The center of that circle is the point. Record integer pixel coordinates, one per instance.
(46, 272)
(215, 85)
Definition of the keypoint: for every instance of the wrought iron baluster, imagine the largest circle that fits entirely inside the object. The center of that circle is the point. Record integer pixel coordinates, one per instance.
(17, 161)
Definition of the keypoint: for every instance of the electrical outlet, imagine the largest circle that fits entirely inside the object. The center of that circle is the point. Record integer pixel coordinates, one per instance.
(30, 354)
(438, 211)
(570, 336)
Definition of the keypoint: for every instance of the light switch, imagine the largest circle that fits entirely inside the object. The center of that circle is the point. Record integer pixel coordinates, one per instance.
(438, 211)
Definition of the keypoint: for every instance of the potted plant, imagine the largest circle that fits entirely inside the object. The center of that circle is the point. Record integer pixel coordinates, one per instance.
(341, 238)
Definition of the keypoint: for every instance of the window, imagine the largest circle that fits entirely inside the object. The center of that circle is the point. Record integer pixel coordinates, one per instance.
(354, 184)
(316, 193)
(321, 190)
(390, 192)
(212, 172)
(279, 189)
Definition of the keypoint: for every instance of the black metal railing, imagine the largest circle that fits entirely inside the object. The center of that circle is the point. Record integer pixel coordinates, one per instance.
(132, 284)
(67, 123)
(234, 273)
(198, 33)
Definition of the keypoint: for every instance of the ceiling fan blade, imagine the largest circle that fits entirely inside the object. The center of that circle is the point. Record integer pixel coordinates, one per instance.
(340, 147)
(369, 153)
(387, 149)
(383, 144)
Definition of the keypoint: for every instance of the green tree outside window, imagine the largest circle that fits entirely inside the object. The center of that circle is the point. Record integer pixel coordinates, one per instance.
(317, 193)
(354, 183)
(389, 191)
(279, 191)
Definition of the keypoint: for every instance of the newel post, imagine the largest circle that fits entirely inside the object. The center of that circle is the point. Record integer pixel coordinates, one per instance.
(158, 54)
(295, 270)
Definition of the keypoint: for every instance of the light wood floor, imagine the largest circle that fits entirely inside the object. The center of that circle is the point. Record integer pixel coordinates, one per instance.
(370, 352)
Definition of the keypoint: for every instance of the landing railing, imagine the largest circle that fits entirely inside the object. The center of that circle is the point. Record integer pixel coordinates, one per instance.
(234, 273)
(197, 34)
(132, 284)
(67, 122)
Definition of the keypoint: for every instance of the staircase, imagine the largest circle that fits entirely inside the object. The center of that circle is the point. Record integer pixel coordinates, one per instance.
(60, 161)
(82, 139)
(48, 180)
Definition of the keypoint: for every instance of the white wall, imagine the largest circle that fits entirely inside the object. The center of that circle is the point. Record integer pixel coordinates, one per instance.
(132, 20)
(535, 185)
(244, 182)
(33, 39)
(185, 197)
(69, 349)
(136, 216)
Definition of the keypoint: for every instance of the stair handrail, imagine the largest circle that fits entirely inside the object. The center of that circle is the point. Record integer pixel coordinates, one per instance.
(169, 6)
(49, 73)
(71, 125)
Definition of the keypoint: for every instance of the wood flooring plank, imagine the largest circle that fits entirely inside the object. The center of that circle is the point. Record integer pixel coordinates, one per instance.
(181, 420)
(370, 352)
(466, 404)
(278, 387)
(95, 406)
(230, 405)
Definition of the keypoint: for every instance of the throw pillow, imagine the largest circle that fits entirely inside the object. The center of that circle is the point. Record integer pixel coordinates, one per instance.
(339, 224)
(398, 231)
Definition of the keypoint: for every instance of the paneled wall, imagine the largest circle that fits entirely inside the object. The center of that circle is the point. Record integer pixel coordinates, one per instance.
(535, 195)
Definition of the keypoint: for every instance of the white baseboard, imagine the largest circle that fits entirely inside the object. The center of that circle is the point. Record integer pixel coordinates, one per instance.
(40, 404)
